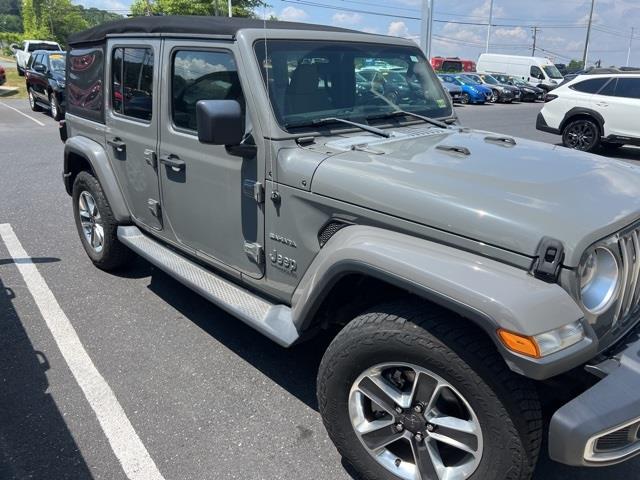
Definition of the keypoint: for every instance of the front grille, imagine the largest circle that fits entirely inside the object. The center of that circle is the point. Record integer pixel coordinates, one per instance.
(629, 244)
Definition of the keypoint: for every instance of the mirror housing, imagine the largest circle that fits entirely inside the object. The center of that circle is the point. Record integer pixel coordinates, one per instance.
(40, 68)
(220, 122)
(14, 47)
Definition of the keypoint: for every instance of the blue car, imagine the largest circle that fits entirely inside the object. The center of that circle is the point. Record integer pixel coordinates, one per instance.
(472, 92)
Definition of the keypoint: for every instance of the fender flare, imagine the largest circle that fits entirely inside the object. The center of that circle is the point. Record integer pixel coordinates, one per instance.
(97, 158)
(575, 111)
(489, 293)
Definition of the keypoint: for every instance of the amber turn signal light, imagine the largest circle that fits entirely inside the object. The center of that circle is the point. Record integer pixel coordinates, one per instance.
(519, 343)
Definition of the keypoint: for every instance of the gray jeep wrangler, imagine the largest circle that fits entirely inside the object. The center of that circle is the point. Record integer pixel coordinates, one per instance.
(461, 271)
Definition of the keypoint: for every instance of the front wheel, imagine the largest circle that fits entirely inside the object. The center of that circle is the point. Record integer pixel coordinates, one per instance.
(56, 111)
(32, 100)
(407, 392)
(494, 97)
(465, 99)
(96, 225)
(581, 134)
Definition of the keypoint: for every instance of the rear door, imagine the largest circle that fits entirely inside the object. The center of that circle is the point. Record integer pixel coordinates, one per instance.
(37, 79)
(132, 125)
(208, 200)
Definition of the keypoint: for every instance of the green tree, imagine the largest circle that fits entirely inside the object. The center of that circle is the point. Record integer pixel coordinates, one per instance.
(31, 22)
(240, 8)
(10, 23)
(575, 65)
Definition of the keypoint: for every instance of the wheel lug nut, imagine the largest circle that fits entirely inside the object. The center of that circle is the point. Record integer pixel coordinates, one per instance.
(399, 427)
(399, 410)
(417, 408)
(430, 427)
(419, 437)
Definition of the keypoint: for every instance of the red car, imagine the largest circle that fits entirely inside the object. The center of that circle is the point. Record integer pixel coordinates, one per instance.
(452, 64)
(3, 75)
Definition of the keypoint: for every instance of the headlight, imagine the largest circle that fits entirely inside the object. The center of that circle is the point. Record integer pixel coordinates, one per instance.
(545, 343)
(598, 279)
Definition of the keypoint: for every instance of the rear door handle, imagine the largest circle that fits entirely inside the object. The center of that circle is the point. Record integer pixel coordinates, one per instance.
(172, 161)
(602, 104)
(118, 144)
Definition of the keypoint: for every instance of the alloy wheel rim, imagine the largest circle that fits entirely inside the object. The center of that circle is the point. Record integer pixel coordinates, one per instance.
(91, 221)
(414, 423)
(54, 108)
(31, 101)
(464, 98)
(581, 136)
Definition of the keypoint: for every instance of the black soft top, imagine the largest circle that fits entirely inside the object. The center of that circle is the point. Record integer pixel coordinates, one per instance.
(172, 24)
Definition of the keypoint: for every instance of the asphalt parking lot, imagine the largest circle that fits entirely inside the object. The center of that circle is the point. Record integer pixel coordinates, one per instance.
(197, 393)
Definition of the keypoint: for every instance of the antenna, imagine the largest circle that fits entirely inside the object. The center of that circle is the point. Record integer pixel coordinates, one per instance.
(272, 172)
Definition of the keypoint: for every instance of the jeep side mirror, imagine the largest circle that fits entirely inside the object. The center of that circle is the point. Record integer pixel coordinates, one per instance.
(13, 47)
(220, 122)
(38, 67)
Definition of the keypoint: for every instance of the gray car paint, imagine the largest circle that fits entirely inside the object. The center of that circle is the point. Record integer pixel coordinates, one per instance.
(505, 196)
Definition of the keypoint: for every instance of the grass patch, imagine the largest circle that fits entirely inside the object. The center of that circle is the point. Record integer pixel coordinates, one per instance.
(14, 80)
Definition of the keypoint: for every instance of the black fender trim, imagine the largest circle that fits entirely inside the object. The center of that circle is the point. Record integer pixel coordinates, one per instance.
(575, 111)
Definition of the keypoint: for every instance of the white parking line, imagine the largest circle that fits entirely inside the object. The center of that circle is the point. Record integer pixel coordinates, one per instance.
(23, 114)
(124, 440)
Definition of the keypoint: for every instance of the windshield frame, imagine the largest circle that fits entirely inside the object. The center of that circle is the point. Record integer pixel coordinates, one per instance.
(255, 40)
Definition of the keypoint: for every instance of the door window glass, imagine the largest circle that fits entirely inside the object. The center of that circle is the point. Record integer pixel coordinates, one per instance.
(628, 88)
(132, 82)
(610, 88)
(536, 72)
(200, 75)
(590, 86)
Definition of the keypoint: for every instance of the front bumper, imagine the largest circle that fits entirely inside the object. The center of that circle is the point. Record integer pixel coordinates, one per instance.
(602, 426)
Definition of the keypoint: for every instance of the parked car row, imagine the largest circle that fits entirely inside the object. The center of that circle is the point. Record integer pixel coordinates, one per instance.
(478, 88)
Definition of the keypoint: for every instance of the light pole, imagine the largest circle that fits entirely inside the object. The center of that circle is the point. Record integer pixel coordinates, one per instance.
(229, 5)
(630, 44)
(426, 27)
(586, 43)
(489, 26)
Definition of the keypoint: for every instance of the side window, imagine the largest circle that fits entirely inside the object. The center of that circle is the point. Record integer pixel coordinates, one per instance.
(535, 72)
(590, 86)
(201, 75)
(85, 89)
(610, 88)
(132, 82)
(628, 88)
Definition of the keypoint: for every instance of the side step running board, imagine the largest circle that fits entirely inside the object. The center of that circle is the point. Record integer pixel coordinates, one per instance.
(274, 321)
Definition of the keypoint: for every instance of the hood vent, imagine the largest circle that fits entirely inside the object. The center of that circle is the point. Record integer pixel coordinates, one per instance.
(454, 149)
(502, 141)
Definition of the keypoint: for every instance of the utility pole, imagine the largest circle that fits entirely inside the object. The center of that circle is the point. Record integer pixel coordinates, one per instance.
(586, 43)
(229, 5)
(630, 44)
(535, 36)
(489, 25)
(426, 27)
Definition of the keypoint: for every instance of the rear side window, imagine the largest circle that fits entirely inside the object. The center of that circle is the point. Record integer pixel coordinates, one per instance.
(200, 75)
(628, 88)
(85, 83)
(590, 86)
(132, 82)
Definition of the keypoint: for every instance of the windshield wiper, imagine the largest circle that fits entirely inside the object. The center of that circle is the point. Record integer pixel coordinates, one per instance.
(399, 113)
(366, 128)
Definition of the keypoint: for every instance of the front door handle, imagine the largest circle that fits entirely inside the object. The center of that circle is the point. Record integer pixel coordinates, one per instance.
(602, 104)
(172, 161)
(118, 144)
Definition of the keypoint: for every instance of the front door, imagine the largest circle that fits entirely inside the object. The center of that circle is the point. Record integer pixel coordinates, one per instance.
(132, 125)
(619, 103)
(207, 192)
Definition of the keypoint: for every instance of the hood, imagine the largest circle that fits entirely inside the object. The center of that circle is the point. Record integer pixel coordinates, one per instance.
(509, 196)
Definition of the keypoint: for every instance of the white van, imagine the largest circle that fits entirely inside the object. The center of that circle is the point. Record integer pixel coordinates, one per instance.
(538, 71)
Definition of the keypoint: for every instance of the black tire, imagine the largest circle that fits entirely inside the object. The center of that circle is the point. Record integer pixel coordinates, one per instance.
(56, 110)
(495, 96)
(506, 404)
(32, 101)
(581, 134)
(114, 255)
(20, 71)
(465, 99)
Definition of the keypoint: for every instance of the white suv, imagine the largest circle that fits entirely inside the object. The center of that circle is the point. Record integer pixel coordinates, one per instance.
(594, 110)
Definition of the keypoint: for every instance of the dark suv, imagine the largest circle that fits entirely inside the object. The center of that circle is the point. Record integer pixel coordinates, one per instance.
(45, 77)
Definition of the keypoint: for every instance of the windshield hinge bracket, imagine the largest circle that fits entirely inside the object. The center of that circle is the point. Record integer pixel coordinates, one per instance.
(549, 258)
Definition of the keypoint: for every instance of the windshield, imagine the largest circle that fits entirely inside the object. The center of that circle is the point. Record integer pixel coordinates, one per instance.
(43, 46)
(466, 81)
(552, 71)
(313, 80)
(57, 63)
(490, 80)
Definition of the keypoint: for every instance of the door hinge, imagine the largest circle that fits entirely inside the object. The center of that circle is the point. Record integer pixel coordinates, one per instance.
(255, 252)
(154, 207)
(150, 157)
(254, 190)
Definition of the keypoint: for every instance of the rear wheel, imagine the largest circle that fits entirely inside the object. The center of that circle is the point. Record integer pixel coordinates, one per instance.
(407, 392)
(32, 101)
(581, 134)
(494, 97)
(20, 70)
(96, 225)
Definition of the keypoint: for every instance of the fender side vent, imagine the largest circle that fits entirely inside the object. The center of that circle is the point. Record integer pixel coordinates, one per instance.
(329, 230)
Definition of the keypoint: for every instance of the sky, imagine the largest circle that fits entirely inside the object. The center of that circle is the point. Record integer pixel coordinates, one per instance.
(560, 36)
